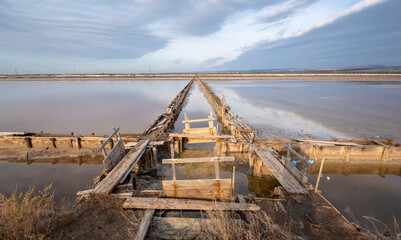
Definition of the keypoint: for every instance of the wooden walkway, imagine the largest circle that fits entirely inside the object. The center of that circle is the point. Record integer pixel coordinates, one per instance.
(242, 131)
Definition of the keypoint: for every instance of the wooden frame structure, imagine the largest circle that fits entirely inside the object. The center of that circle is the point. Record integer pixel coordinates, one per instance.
(116, 153)
(211, 130)
(217, 188)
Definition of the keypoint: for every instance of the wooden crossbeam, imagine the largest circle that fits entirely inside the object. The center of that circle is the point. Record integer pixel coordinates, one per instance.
(199, 136)
(186, 204)
(199, 160)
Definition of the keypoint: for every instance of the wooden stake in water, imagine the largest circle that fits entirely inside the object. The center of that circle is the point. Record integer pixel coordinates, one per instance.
(320, 173)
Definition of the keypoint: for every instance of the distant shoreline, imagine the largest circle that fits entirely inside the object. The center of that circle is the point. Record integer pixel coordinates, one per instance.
(392, 77)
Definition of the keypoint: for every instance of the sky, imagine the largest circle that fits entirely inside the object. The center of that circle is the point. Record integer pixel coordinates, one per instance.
(149, 36)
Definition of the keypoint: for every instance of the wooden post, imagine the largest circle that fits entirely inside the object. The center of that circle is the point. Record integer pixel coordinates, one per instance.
(289, 152)
(154, 149)
(216, 169)
(180, 142)
(172, 149)
(79, 146)
(187, 126)
(104, 150)
(173, 170)
(233, 183)
(320, 173)
(114, 131)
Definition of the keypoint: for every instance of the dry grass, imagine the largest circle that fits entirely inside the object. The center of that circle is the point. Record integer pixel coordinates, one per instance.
(230, 225)
(376, 228)
(27, 215)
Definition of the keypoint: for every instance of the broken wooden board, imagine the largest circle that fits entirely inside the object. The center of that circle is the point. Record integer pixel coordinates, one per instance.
(198, 188)
(186, 204)
(115, 156)
(290, 184)
(123, 167)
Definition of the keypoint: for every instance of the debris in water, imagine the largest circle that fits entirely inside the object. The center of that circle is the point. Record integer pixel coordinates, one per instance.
(328, 178)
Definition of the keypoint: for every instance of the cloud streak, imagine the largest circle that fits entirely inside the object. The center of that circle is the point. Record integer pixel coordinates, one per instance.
(168, 35)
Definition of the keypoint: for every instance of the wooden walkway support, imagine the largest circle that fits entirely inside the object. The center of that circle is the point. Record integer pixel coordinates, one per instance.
(186, 204)
(199, 188)
(167, 119)
(211, 130)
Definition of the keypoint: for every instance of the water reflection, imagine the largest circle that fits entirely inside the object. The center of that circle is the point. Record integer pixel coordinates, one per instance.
(84, 107)
(317, 109)
(67, 179)
(381, 169)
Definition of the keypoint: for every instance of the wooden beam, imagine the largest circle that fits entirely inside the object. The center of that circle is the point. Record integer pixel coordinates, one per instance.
(123, 168)
(186, 204)
(143, 228)
(200, 136)
(327, 142)
(199, 160)
(379, 143)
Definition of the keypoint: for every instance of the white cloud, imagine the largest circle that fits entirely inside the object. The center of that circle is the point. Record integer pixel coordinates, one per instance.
(245, 30)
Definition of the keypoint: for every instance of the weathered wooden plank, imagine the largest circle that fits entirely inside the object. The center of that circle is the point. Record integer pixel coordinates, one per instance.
(143, 228)
(198, 188)
(289, 183)
(199, 160)
(199, 136)
(124, 166)
(186, 204)
(114, 156)
(201, 131)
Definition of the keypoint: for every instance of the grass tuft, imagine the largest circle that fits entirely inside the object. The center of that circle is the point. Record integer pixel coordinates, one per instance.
(230, 225)
(27, 215)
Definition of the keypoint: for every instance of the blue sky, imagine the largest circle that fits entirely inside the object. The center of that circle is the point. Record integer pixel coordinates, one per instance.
(133, 36)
